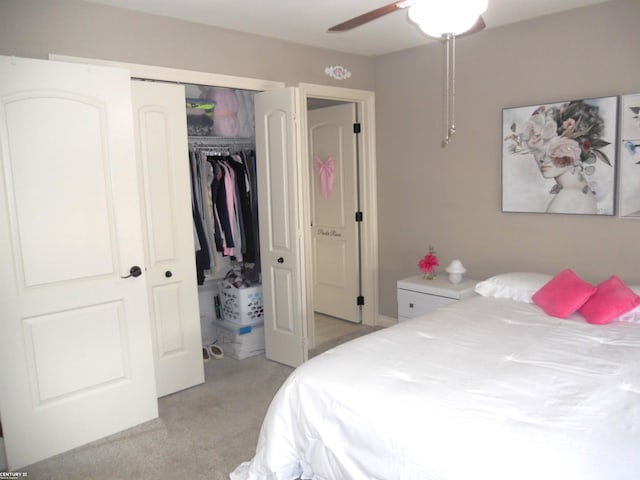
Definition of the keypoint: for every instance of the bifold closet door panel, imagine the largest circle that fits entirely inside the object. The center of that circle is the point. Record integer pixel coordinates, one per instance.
(163, 171)
(75, 342)
(278, 171)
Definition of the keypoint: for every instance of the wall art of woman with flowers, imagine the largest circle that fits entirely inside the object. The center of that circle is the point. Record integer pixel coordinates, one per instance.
(560, 158)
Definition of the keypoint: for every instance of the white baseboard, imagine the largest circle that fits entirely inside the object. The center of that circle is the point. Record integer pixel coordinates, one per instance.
(384, 321)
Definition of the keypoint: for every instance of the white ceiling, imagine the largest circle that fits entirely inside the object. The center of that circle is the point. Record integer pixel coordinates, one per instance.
(307, 21)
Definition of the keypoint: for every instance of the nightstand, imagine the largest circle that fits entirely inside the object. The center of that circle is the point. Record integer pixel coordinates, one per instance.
(417, 296)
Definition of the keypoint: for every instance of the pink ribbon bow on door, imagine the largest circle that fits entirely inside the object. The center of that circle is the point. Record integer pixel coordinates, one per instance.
(326, 171)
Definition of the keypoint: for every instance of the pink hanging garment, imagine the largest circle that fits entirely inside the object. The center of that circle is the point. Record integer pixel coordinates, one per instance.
(326, 171)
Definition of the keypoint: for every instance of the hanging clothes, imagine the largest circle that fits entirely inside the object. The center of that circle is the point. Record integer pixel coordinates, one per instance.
(225, 210)
(245, 190)
(203, 260)
(220, 198)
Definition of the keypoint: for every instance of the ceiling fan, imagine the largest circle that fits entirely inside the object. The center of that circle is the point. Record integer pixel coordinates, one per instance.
(440, 14)
(444, 19)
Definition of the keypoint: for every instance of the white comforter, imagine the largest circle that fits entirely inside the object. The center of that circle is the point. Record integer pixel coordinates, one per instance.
(484, 389)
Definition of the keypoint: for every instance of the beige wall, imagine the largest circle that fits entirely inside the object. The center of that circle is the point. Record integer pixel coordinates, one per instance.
(35, 28)
(451, 197)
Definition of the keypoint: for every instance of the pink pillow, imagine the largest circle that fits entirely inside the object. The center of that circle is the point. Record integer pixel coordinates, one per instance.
(612, 299)
(563, 294)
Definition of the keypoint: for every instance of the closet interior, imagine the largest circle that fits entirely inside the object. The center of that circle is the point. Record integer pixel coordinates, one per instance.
(222, 161)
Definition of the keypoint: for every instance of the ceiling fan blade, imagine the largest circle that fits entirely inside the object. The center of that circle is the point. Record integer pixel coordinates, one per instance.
(478, 26)
(372, 15)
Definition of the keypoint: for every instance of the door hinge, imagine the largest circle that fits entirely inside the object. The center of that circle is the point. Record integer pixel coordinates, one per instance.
(356, 128)
(360, 300)
(358, 216)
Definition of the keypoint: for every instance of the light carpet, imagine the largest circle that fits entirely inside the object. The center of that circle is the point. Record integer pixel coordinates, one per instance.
(324, 346)
(204, 432)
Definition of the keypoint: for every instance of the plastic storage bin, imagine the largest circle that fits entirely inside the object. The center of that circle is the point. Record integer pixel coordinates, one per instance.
(240, 341)
(241, 305)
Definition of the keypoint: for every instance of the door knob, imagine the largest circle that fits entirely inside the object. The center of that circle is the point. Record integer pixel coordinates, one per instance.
(134, 272)
(280, 260)
(168, 274)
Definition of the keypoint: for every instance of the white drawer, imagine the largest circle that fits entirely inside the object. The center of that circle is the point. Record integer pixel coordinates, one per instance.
(412, 304)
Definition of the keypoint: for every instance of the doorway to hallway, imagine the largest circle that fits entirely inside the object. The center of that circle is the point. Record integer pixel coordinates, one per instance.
(333, 164)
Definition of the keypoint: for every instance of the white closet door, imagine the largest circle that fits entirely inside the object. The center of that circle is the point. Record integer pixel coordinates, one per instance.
(160, 120)
(75, 344)
(278, 171)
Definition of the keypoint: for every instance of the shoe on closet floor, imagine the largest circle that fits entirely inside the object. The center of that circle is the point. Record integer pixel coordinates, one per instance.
(215, 351)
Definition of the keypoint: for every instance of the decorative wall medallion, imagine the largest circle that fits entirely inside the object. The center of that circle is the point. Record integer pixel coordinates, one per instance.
(337, 72)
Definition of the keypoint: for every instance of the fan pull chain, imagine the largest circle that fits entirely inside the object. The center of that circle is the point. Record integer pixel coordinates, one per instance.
(445, 96)
(449, 87)
(452, 127)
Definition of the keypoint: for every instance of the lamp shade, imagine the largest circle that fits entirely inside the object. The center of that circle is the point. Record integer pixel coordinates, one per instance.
(456, 267)
(455, 271)
(439, 17)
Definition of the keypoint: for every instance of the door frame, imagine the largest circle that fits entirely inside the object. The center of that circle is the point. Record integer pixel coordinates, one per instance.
(365, 101)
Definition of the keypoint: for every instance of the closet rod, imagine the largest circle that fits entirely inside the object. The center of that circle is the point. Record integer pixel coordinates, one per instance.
(195, 141)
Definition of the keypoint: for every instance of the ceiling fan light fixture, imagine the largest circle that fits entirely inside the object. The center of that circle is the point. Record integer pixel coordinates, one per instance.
(440, 17)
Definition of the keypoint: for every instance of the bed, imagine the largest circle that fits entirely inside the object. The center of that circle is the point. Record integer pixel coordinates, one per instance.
(487, 388)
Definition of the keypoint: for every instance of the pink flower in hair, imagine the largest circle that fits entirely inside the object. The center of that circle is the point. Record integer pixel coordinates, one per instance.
(563, 152)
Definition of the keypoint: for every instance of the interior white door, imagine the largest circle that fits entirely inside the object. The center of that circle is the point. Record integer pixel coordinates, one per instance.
(75, 346)
(334, 191)
(278, 172)
(162, 154)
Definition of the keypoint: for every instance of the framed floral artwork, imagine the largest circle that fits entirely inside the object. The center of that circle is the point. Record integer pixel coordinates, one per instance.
(629, 197)
(560, 157)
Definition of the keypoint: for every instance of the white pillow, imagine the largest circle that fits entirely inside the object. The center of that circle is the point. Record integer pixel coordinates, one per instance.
(632, 316)
(518, 286)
